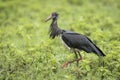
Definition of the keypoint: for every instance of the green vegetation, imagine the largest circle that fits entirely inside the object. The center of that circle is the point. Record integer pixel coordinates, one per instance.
(27, 53)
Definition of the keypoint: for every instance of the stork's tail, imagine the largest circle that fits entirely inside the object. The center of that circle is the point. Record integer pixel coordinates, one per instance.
(99, 52)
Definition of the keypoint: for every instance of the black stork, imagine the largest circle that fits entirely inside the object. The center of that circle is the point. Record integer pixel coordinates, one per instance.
(72, 40)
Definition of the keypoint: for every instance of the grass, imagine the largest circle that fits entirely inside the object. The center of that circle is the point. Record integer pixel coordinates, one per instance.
(27, 53)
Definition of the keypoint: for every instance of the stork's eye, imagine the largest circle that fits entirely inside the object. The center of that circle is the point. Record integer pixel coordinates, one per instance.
(53, 14)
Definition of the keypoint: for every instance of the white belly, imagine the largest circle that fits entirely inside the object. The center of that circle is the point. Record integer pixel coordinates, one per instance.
(60, 36)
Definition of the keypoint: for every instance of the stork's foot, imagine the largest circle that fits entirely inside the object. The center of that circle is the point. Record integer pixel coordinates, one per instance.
(65, 65)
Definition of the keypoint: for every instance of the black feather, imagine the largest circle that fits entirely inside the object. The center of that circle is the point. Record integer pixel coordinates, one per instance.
(81, 42)
(54, 29)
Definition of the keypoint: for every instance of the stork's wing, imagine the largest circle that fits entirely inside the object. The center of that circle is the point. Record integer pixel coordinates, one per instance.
(81, 42)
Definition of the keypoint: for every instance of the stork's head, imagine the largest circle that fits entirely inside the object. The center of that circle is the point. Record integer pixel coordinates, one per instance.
(53, 15)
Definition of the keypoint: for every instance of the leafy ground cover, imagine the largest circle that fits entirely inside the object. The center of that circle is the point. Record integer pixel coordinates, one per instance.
(27, 53)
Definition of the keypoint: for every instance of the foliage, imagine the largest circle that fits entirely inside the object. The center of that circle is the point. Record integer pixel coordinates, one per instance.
(27, 53)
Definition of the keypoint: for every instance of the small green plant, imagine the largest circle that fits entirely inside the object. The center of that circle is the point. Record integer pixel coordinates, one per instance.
(27, 53)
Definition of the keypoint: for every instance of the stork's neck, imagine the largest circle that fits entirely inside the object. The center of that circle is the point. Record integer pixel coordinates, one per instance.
(54, 22)
(54, 29)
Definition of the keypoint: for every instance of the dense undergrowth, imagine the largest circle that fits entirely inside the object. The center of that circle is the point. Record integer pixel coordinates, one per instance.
(27, 53)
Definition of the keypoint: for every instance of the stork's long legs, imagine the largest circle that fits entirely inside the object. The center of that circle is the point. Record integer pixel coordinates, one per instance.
(80, 56)
(77, 59)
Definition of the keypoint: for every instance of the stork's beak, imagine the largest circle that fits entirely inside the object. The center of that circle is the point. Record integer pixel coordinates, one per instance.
(50, 17)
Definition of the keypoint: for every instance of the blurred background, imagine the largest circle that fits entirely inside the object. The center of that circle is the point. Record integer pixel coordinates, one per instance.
(27, 53)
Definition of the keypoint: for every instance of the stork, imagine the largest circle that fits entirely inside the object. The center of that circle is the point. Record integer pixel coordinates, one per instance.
(72, 40)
